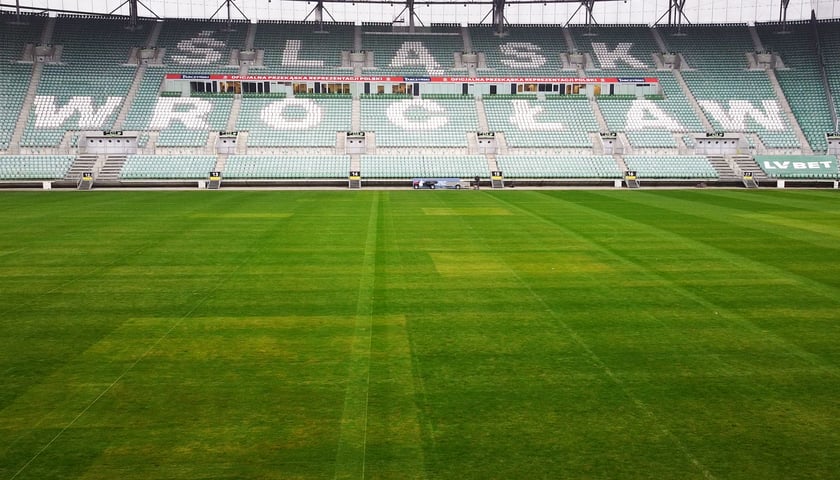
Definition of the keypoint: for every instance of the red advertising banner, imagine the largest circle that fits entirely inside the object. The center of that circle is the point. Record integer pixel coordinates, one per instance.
(386, 78)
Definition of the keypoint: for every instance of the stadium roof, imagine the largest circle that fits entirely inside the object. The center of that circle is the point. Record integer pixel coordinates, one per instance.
(458, 11)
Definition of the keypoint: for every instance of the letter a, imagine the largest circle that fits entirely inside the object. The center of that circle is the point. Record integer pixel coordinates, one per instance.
(415, 54)
(646, 114)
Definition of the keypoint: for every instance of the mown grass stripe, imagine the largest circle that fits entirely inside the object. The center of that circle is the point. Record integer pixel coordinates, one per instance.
(352, 443)
(739, 263)
(725, 334)
(738, 216)
(557, 319)
(696, 208)
(101, 394)
(194, 307)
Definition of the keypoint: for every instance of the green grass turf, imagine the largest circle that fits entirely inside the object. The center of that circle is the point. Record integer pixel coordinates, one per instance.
(401, 334)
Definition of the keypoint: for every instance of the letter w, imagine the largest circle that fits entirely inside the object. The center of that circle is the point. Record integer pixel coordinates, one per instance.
(735, 118)
(48, 115)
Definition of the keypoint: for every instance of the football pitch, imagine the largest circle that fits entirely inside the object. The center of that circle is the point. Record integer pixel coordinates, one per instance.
(670, 334)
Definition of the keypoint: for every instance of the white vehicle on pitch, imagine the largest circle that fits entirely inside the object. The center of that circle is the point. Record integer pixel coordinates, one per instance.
(435, 183)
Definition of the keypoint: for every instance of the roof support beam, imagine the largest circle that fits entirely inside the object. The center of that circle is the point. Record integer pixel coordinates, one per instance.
(783, 7)
(499, 16)
(412, 16)
(132, 12)
(319, 10)
(228, 4)
(675, 14)
(590, 16)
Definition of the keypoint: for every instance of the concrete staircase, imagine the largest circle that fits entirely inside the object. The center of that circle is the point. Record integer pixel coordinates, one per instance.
(67, 140)
(492, 164)
(250, 36)
(746, 163)
(682, 148)
(221, 161)
(235, 108)
(357, 38)
(597, 145)
(81, 164)
(481, 113)
(472, 143)
(151, 145)
(619, 159)
(129, 97)
(693, 101)
(47, 33)
(111, 168)
(17, 135)
(465, 36)
(501, 144)
(570, 41)
(760, 148)
(759, 47)
(797, 129)
(356, 115)
(154, 35)
(657, 37)
(723, 167)
(599, 115)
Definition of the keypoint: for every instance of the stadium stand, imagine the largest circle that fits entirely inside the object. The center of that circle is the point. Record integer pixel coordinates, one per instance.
(408, 166)
(301, 48)
(651, 123)
(617, 49)
(201, 43)
(191, 47)
(581, 166)
(86, 89)
(273, 122)
(419, 122)
(15, 77)
(541, 123)
(671, 167)
(670, 114)
(34, 167)
(286, 167)
(533, 50)
(182, 122)
(799, 79)
(629, 52)
(167, 167)
(829, 35)
(140, 113)
(733, 98)
(428, 53)
(543, 134)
